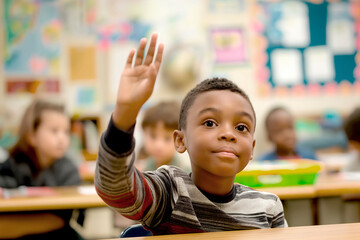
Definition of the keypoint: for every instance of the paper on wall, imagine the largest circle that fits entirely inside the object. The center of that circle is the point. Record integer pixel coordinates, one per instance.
(340, 29)
(319, 64)
(294, 24)
(286, 67)
(82, 63)
(117, 59)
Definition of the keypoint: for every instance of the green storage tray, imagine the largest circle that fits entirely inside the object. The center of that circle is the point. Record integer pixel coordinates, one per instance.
(280, 173)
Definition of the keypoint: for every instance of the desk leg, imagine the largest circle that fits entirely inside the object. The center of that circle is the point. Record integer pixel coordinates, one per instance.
(315, 211)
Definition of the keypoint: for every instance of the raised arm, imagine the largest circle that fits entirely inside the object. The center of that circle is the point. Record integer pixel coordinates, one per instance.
(137, 83)
(117, 181)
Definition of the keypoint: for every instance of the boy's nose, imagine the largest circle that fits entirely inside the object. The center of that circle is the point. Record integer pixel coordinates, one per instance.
(227, 135)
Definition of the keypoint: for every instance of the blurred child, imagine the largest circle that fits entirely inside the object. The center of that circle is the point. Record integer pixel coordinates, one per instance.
(38, 159)
(158, 124)
(352, 130)
(216, 128)
(280, 127)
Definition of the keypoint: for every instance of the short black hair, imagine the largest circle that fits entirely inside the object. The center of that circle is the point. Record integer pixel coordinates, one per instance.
(352, 126)
(207, 85)
(272, 111)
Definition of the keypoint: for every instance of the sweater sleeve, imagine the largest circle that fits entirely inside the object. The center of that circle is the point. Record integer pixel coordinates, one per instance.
(278, 220)
(137, 196)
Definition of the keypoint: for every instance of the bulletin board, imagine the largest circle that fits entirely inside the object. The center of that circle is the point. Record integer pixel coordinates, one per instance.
(31, 46)
(308, 47)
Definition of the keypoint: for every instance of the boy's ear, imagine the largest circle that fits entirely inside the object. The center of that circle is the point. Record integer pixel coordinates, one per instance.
(252, 150)
(179, 142)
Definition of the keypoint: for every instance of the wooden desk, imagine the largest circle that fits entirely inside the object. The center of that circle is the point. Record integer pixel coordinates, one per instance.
(294, 192)
(336, 185)
(324, 232)
(63, 198)
(327, 185)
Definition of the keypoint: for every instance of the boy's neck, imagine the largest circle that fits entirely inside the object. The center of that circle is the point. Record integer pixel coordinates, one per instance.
(217, 185)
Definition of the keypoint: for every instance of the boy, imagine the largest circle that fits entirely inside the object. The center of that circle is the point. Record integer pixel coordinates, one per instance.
(279, 124)
(158, 124)
(352, 130)
(216, 128)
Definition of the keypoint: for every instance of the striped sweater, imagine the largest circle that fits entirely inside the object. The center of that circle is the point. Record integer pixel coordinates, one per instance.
(166, 201)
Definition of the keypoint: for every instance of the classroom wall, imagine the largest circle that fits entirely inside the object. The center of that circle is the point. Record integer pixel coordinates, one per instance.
(186, 26)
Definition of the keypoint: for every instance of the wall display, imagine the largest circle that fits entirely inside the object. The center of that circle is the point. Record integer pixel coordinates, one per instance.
(302, 52)
(18, 85)
(85, 96)
(82, 63)
(229, 45)
(78, 17)
(32, 38)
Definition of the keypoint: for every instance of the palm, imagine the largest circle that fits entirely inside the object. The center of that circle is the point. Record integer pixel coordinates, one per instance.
(137, 82)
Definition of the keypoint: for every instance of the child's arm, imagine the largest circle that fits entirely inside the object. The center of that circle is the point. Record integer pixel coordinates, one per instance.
(117, 181)
(278, 220)
(136, 84)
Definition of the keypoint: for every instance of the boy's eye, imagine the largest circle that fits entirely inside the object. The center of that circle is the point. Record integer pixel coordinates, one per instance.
(209, 123)
(242, 128)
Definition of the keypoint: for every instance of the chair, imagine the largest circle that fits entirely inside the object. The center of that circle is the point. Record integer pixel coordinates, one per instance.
(135, 231)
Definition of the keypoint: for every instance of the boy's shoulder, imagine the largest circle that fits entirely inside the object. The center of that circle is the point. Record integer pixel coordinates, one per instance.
(180, 177)
(248, 192)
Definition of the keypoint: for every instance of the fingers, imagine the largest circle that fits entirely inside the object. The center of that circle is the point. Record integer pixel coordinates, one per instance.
(150, 53)
(159, 55)
(153, 73)
(140, 52)
(151, 50)
(130, 59)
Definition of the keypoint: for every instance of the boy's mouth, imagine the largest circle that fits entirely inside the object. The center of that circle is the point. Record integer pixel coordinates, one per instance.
(226, 152)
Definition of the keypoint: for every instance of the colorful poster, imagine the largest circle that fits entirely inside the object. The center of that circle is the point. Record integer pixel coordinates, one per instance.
(122, 32)
(32, 37)
(32, 85)
(229, 45)
(82, 63)
(86, 96)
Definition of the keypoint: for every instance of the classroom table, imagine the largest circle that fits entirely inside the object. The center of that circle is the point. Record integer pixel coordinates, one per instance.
(327, 185)
(59, 198)
(71, 197)
(349, 231)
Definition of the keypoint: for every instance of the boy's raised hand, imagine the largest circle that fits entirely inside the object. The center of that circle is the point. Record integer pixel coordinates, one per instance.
(137, 83)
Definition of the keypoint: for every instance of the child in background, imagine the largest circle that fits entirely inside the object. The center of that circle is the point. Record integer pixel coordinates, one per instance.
(38, 159)
(352, 130)
(280, 127)
(216, 128)
(158, 124)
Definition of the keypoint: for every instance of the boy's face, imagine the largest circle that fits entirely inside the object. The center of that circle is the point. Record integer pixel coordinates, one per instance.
(219, 136)
(281, 131)
(158, 143)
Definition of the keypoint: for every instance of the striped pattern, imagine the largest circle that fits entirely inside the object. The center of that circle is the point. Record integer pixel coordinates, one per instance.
(166, 201)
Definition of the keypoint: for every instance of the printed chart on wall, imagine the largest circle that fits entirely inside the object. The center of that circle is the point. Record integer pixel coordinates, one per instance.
(307, 47)
(31, 46)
